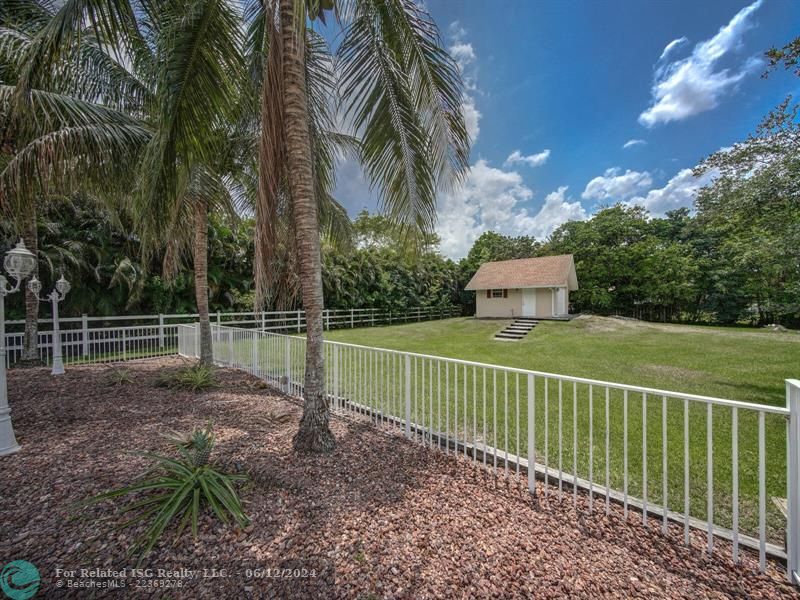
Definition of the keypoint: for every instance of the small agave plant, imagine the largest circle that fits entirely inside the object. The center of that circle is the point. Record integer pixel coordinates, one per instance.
(179, 490)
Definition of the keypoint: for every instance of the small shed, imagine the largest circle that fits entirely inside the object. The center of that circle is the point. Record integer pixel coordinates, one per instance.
(526, 287)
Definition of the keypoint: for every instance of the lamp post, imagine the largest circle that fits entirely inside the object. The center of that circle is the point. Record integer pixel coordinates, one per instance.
(56, 296)
(19, 263)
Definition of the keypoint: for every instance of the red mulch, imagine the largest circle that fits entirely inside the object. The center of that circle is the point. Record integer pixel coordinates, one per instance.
(381, 517)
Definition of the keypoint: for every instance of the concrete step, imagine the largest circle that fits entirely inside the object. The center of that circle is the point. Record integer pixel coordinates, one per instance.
(509, 336)
(525, 326)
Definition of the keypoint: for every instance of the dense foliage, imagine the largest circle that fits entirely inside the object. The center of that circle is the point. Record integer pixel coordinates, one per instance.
(735, 260)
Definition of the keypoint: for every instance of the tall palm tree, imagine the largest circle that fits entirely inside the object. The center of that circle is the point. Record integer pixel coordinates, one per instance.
(400, 94)
(138, 93)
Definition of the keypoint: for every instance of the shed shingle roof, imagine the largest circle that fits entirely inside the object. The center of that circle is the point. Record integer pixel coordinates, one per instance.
(523, 272)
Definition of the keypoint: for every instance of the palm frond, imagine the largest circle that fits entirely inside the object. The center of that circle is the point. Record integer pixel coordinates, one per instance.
(401, 94)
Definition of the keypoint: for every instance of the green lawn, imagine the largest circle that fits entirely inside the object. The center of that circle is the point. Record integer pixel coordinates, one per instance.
(740, 364)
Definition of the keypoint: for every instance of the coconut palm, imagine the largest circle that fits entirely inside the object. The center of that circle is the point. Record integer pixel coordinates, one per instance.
(135, 95)
(400, 95)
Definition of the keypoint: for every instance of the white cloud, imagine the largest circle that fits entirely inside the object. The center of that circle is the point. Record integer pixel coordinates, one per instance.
(464, 55)
(472, 118)
(671, 46)
(532, 160)
(679, 191)
(689, 86)
(616, 186)
(632, 143)
(492, 199)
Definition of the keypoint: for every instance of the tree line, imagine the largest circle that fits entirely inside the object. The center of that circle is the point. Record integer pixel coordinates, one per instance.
(718, 265)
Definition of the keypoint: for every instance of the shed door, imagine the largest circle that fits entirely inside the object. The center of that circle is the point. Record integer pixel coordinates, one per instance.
(528, 303)
(544, 302)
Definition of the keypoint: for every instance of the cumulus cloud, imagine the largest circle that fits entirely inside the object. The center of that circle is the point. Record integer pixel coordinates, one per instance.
(632, 143)
(693, 85)
(678, 192)
(616, 186)
(464, 55)
(493, 199)
(532, 160)
(462, 52)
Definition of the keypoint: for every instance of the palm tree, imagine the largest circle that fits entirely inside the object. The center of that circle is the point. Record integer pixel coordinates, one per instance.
(401, 96)
(136, 94)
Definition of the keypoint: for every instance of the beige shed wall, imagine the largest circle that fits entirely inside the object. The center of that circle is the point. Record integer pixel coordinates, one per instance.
(488, 308)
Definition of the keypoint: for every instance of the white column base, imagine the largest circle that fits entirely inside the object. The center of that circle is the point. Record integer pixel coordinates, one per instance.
(58, 366)
(8, 443)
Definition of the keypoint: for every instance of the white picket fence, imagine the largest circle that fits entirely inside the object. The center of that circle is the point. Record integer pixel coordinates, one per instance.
(682, 461)
(117, 338)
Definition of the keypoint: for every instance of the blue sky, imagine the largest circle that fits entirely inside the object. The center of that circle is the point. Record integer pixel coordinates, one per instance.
(556, 89)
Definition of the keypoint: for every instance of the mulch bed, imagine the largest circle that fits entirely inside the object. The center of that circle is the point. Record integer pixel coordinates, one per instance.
(381, 517)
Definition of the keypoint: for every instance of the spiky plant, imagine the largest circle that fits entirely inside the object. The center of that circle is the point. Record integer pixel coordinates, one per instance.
(195, 445)
(195, 378)
(179, 490)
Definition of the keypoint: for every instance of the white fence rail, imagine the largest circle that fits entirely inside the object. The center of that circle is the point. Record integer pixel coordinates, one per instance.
(118, 338)
(683, 461)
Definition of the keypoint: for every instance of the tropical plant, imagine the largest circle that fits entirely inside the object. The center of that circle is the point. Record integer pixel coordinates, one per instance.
(401, 95)
(128, 100)
(194, 378)
(117, 376)
(178, 490)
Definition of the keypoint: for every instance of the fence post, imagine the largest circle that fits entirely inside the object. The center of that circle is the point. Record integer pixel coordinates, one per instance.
(288, 363)
(419, 317)
(85, 334)
(254, 353)
(298, 321)
(408, 396)
(160, 331)
(327, 319)
(230, 348)
(351, 318)
(531, 438)
(793, 482)
(263, 320)
(197, 340)
(124, 357)
(372, 313)
(219, 319)
(336, 402)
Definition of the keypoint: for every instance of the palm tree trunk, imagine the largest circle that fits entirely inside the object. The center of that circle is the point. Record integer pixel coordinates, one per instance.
(314, 434)
(200, 252)
(30, 350)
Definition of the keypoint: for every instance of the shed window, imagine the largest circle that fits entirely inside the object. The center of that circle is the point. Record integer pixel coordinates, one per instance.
(497, 293)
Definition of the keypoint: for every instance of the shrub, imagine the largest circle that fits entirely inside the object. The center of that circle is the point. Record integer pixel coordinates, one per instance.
(195, 378)
(179, 490)
(119, 377)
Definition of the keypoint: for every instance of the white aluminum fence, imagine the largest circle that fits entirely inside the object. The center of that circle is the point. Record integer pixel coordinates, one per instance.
(115, 338)
(100, 344)
(683, 461)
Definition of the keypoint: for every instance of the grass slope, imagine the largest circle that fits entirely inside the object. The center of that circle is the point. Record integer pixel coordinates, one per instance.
(740, 364)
